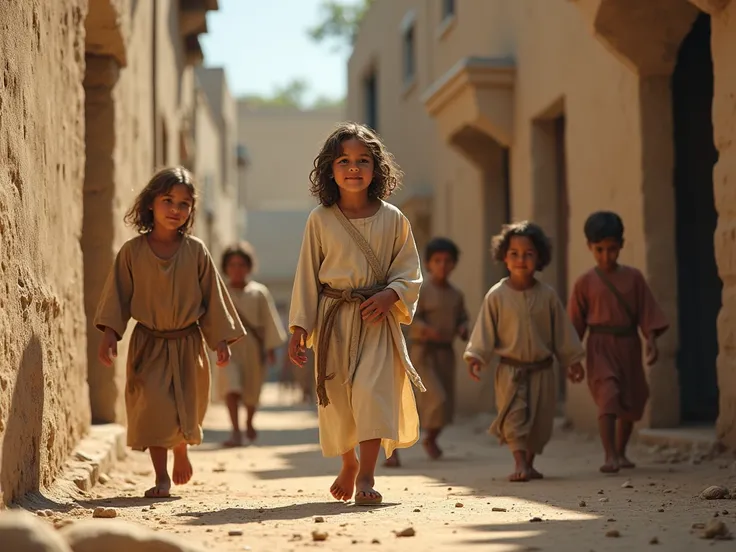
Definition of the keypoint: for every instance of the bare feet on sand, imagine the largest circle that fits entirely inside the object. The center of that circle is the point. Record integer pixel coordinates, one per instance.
(625, 462)
(366, 495)
(235, 440)
(612, 465)
(183, 470)
(344, 485)
(432, 449)
(160, 490)
(251, 433)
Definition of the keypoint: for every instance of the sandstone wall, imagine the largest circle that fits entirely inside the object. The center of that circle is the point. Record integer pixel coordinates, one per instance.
(42, 319)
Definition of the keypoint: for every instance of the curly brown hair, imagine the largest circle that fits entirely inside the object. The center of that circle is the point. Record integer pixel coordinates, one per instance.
(524, 229)
(243, 250)
(140, 215)
(386, 175)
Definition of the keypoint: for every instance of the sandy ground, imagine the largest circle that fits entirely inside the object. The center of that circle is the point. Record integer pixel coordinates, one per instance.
(272, 493)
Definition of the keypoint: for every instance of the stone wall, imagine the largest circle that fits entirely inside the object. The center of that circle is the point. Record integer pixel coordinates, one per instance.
(42, 319)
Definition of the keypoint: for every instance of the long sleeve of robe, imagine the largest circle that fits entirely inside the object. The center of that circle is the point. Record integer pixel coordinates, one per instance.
(526, 326)
(615, 371)
(376, 402)
(167, 378)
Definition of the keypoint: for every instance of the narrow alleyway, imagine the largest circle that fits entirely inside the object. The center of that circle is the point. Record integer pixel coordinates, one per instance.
(275, 493)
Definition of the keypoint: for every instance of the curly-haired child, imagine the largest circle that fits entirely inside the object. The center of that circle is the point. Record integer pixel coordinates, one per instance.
(357, 280)
(166, 280)
(523, 322)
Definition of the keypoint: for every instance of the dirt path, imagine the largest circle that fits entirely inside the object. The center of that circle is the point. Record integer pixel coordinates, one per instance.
(272, 493)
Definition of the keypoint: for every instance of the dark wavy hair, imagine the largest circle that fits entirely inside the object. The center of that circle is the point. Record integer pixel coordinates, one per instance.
(604, 224)
(524, 229)
(140, 215)
(442, 245)
(386, 173)
(243, 250)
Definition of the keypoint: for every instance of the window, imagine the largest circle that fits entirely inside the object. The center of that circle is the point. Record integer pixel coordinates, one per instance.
(370, 95)
(409, 52)
(448, 9)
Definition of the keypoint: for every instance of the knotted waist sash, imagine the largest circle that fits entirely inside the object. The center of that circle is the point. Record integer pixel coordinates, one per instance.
(342, 297)
(522, 371)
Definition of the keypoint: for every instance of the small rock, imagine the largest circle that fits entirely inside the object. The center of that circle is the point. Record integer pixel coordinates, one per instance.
(459, 505)
(611, 520)
(535, 520)
(613, 534)
(319, 519)
(62, 523)
(499, 510)
(654, 540)
(725, 512)
(406, 488)
(604, 499)
(375, 541)
(408, 532)
(627, 485)
(235, 533)
(582, 504)
(41, 513)
(449, 488)
(716, 529)
(319, 536)
(218, 470)
(296, 537)
(661, 510)
(416, 510)
(103, 479)
(600, 492)
(715, 492)
(106, 513)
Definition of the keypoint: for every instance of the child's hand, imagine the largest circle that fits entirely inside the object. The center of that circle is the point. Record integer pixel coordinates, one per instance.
(108, 349)
(463, 332)
(652, 350)
(271, 356)
(576, 373)
(474, 367)
(223, 353)
(298, 347)
(377, 307)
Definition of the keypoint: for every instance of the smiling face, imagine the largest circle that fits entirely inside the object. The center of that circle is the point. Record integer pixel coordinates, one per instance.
(521, 258)
(606, 252)
(353, 169)
(172, 209)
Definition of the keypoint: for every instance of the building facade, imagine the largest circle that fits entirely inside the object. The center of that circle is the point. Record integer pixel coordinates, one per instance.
(552, 109)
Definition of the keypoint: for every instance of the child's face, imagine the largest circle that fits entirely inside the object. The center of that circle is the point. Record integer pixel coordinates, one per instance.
(606, 252)
(171, 210)
(522, 257)
(237, 269)
(353, 170)
(440, 265)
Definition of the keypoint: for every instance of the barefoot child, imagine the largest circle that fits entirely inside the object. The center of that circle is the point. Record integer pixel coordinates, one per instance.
(612, 302)
(357, 280)
(165, 280)
(243, 377)
(440, 317)
(523, 322)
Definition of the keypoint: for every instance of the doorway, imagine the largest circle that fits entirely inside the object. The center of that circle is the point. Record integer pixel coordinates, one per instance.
(699, 287)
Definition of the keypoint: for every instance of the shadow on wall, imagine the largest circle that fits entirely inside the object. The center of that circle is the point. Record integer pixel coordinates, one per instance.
(20, 458)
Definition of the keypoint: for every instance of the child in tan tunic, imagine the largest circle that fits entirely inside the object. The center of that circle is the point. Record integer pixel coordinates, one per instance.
(242, 379)
(440, 317)
(357, 280)
(165, 280)
(523, 322)
(612, 302)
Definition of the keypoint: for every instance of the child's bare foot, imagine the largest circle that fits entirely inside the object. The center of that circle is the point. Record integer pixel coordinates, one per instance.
(612, 465)
(160, 490)
(344, 485)
(366, 495)
(534, 474)
(251, 433)
(235, 440)
(625, 462)
(432, 449)
(520, 475)
(393, 461)
(521, 470)
(183, 470)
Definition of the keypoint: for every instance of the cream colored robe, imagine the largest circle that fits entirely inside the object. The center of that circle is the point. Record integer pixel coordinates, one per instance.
(527, 326)
(246, 371)
(379, 402)
(167, 380)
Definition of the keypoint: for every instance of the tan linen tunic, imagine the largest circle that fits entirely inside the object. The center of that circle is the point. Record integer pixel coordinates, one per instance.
(527, 326)
(378, 401)
(167, 380)
(443, 309)
(246, 371)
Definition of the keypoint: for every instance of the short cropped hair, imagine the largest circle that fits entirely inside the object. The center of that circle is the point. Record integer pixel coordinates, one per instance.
(442, 245)
(602, 225)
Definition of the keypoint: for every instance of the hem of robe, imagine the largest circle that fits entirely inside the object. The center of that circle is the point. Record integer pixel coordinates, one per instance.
(388, 445)
(170, 444)
(517, 446)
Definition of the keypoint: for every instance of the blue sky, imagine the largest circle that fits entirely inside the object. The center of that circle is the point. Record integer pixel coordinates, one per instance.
(263, 44)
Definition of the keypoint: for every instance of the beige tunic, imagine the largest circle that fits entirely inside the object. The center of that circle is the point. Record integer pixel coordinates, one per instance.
(246, 371)
(167, 380)
(377, 402)
(441, 308)
(527, 326)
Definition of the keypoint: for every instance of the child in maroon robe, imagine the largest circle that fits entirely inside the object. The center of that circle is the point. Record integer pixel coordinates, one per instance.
(612, 302)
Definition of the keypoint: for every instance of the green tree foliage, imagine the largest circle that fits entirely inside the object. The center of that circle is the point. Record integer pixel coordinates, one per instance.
(340, 21)
(292, 95)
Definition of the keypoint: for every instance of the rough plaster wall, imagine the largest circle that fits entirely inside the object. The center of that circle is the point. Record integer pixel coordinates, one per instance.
(724, 121)
(42, 323)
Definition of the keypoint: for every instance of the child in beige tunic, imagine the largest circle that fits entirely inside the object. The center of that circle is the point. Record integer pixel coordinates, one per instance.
(357, 280)
(242, 379)
(165, 280)
(523, 322)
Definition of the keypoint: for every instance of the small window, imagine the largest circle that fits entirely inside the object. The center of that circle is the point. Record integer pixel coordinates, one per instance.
(448, 9)
(370, 94)
(409, 53)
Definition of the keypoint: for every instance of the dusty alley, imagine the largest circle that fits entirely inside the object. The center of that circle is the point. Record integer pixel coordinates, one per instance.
(274, 495)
